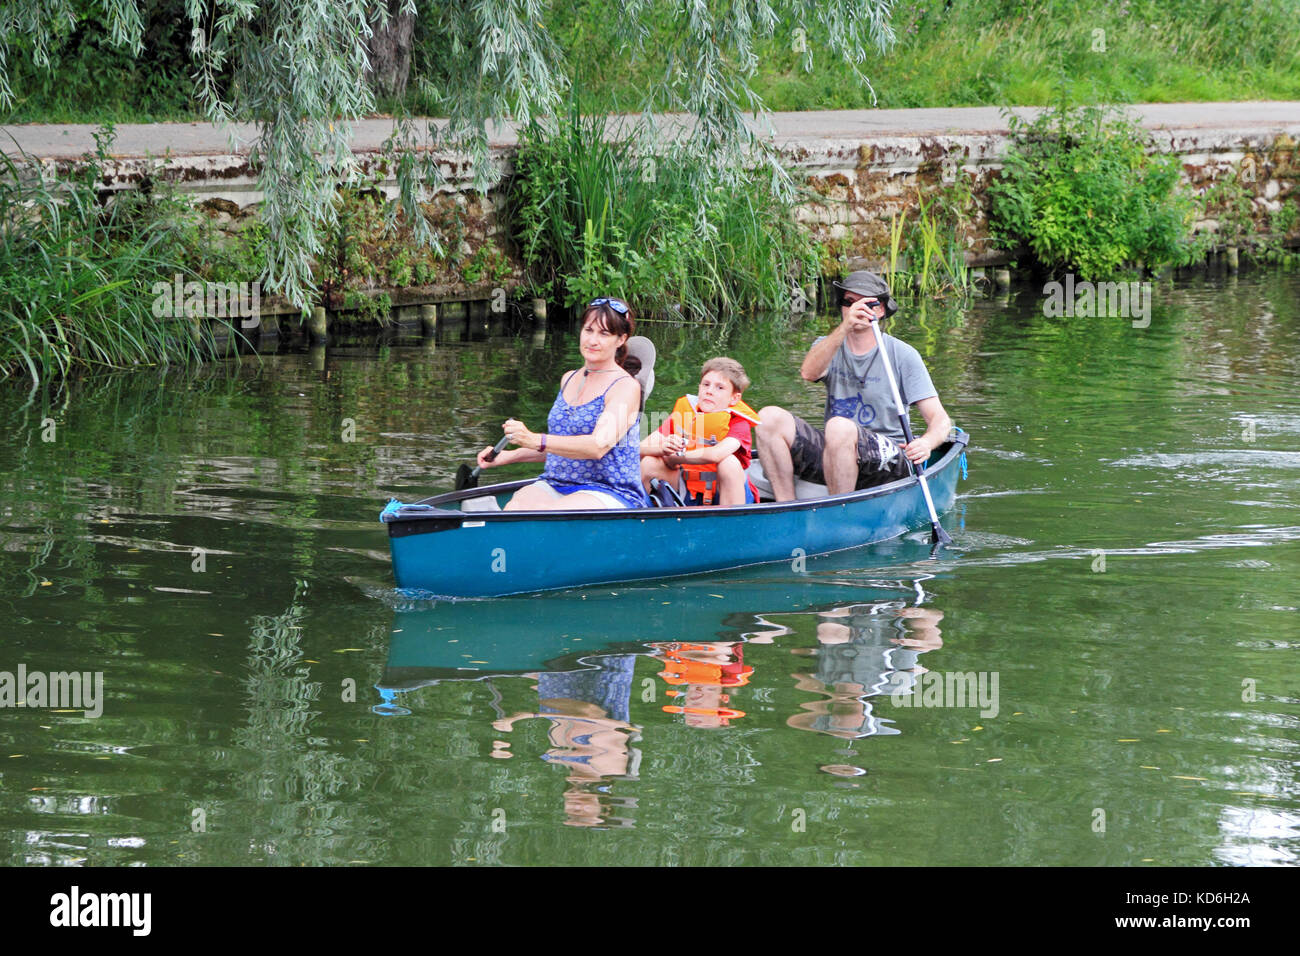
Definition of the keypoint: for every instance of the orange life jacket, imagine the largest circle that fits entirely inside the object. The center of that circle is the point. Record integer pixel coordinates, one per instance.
(707, 428)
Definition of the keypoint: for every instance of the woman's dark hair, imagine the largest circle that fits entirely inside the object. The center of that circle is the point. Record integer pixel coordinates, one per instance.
(611, 320)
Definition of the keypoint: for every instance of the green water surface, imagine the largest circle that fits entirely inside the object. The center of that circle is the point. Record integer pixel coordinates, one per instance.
(1126, 566)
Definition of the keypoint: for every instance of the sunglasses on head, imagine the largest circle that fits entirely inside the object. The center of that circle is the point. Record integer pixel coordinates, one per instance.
(618, 305)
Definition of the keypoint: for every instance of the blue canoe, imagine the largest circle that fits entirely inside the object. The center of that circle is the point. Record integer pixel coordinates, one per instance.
(439, 549)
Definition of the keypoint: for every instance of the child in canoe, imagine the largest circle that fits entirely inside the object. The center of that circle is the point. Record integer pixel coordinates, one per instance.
(704, 447)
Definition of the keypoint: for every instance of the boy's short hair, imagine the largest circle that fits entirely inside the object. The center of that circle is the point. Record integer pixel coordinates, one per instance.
(729, 367)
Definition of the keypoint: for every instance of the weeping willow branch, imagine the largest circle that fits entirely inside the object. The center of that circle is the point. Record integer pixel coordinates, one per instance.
(297, 70)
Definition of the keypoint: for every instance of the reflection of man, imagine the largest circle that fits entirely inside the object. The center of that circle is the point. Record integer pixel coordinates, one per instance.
(589, 734)
(864, 650)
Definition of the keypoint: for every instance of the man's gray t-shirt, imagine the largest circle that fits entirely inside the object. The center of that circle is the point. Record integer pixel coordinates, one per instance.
(857, 387)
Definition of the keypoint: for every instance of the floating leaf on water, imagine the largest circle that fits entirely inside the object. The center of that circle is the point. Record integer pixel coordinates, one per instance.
(350, 650)
(1129, 740)
(1179, 776)
(1164, 731)
(978, 727)
(994, 760)
(1145, 767)
(716, 596)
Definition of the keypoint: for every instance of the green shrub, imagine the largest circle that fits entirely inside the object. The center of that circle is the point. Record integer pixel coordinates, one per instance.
(488, 263)
(1081, 191)
(372, 244)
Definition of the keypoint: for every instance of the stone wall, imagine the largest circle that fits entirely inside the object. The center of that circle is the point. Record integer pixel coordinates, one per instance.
(857, 182)
(861, 185)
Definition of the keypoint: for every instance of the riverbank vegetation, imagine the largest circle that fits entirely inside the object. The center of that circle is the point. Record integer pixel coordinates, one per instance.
(699, 220)
(300, 72)
(78, 276)
(947, 53)
(595, 215)
(1081, 192)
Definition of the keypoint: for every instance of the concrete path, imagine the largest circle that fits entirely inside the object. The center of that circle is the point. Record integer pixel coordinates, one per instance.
(204, 139)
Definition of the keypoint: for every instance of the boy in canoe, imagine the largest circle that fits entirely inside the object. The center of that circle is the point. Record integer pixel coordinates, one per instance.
(704, 447)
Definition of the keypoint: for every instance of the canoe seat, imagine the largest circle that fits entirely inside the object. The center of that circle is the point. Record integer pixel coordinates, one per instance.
(802, 489)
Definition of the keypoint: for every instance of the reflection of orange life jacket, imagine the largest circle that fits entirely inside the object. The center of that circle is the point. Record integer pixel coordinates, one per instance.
(681, 668)
(708, 428)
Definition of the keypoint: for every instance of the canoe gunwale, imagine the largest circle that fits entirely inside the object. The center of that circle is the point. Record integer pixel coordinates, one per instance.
(427, 522)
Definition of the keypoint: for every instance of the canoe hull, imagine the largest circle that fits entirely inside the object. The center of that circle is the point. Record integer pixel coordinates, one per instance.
(453, 554)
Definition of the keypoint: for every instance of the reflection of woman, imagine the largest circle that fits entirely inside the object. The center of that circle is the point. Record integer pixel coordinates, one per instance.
(589, 735)
(590, 447)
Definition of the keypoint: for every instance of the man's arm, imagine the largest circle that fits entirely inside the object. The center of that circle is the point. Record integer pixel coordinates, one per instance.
(818, 360)
(937, 427)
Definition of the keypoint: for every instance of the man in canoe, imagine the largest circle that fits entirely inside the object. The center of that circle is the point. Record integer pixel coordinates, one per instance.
(862, 444)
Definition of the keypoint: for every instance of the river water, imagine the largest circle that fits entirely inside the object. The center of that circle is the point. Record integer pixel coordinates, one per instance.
(1101, 670)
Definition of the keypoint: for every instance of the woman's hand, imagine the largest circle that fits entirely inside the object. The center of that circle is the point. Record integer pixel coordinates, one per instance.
(485, 462)
(519, 435)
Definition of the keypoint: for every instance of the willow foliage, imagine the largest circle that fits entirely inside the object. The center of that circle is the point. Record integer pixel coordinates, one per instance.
(297, 71)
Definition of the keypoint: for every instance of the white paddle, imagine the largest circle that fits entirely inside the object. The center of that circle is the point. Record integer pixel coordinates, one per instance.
(938, 535)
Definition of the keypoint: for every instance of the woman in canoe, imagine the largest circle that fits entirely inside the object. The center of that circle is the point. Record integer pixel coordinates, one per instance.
(590, 445)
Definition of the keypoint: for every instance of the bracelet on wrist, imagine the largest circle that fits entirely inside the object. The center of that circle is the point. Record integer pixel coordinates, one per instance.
(542, 446)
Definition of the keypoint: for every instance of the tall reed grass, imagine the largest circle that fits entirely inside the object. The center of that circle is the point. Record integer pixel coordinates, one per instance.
(593, 216)
(927, 258)
(76, 279)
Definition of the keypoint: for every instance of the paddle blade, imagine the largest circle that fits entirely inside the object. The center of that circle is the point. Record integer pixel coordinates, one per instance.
(938, 535)
(466, 477)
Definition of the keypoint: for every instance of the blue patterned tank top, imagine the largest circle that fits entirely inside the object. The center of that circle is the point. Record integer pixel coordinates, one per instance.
(618, 473)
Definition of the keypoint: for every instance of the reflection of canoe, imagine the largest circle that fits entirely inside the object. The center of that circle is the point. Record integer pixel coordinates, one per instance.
(440, 549)
(470, 640)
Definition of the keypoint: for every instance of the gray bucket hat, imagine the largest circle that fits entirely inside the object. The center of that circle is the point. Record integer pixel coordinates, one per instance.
(868, 283)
